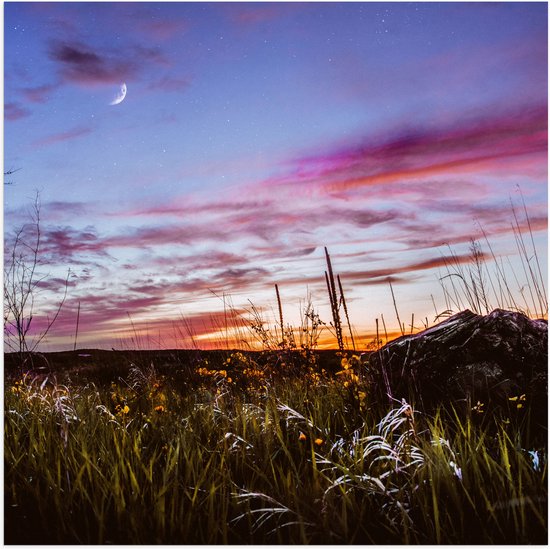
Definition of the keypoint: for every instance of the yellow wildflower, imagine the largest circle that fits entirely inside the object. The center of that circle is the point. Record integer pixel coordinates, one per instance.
(122, 410)
(160, 409)
(319, 441)
(302, 437)
(478, 407)
(17, 387)
(518, 400)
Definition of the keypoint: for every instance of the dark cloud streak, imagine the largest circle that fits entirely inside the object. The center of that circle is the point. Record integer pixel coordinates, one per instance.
(81, 64)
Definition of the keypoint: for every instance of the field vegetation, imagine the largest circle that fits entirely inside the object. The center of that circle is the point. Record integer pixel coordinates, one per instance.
(285, 445)
(242, 451)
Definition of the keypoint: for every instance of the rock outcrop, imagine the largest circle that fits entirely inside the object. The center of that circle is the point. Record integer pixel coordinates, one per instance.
(467, 358)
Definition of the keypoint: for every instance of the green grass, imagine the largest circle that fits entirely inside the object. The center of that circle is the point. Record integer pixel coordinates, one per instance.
(255, 456)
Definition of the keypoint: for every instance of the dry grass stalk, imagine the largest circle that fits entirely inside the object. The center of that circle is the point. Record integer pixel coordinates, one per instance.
(283, 343)
(77, 322)
(385, 329)
(331, 286)
(541, 288)
(343, 299)
(401, 326)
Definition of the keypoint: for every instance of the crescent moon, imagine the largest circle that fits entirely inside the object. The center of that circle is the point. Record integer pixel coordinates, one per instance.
(120, 95)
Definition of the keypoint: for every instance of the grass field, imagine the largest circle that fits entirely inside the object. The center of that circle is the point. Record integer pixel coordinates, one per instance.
(229, 448)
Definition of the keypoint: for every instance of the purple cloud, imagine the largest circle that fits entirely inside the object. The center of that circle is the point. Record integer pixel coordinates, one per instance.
(63, 208)
(163, 29)
(63, 136)
(39, 94)
(107, 314)
(56, 285)
(380, 275)
(65, 244)
(251, 15)
(486, 144)
(171, 84)
(13, 111)
(80, 64)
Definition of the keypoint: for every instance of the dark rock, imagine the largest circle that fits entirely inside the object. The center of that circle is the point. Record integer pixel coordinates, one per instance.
(467, 358)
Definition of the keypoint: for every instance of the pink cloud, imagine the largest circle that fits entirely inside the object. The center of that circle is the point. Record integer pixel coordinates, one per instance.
(184, 207)
(266, 218)
(381, 275)
(271, 235)
(416, 220)
(163, 235)
(163, 29)
(39, 94)
(213, 259)
(98, 313)
(116, 320)
(171, 84)
(62, 208)
(255, 14)
(56, 285)
(13, 111)
(64, 244)
(60, 137)
(473, 146)
(104, 311)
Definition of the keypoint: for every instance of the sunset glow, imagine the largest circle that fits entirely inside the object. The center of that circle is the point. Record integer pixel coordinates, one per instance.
(251, 136)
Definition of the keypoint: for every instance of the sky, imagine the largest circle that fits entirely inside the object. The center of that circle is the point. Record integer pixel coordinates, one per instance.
(254, 135)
